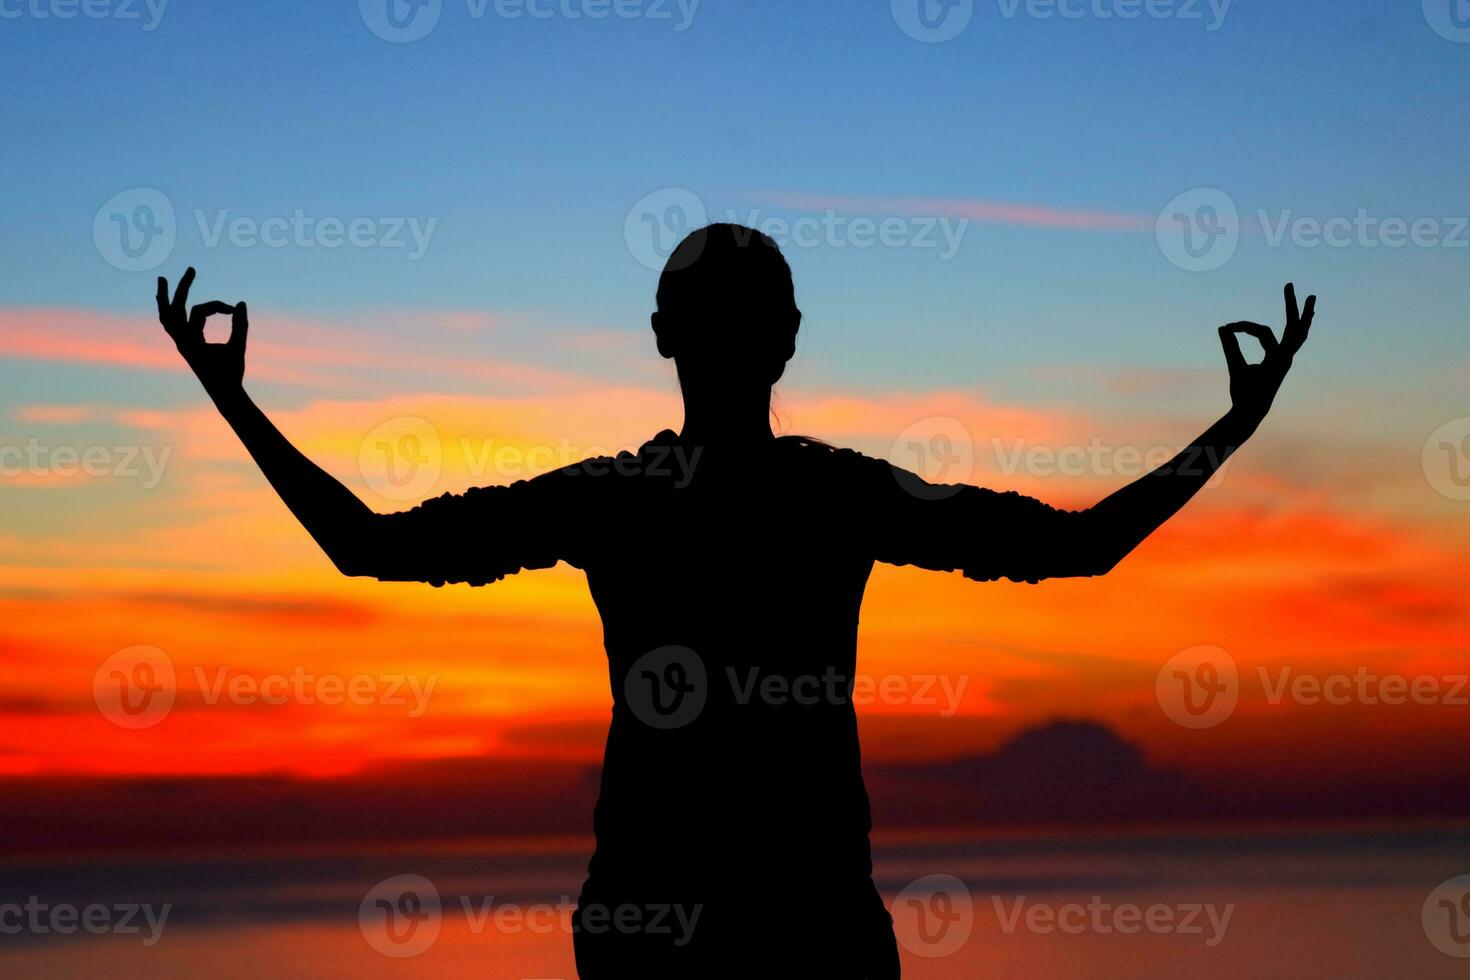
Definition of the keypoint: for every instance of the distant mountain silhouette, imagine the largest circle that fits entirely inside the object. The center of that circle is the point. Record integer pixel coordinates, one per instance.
(1061, 770)
(1074, 772)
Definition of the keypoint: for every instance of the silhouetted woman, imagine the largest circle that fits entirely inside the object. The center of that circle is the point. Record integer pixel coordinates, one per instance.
(728, 565)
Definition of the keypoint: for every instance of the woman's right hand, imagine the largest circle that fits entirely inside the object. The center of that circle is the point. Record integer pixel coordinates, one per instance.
(219, 367)
(1253, 387)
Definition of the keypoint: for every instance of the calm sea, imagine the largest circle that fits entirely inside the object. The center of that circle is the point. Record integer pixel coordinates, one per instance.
(1198, 905)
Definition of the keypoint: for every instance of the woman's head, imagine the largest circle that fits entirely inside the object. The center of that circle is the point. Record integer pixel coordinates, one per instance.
(727, 310)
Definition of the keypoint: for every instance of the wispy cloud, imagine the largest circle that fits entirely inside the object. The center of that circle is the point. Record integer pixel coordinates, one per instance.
(975, 209)
(448, 347)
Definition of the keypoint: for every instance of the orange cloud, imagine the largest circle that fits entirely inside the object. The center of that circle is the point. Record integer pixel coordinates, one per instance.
(1271, 564)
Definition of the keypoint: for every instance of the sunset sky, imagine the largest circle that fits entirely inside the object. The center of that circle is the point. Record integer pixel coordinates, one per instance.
(533, 156)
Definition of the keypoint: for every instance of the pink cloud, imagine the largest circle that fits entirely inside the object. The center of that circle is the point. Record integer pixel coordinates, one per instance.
(82, 337)
(992, 212)
(302, 352)
(54, 414)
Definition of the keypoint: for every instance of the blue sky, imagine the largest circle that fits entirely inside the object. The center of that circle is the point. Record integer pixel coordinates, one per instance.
(528, 140)
(1068, 316)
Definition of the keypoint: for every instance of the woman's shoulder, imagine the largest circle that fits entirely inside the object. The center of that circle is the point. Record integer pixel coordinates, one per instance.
(838, 461)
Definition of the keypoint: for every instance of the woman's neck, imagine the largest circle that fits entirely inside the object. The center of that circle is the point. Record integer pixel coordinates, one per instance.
(727, 421)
